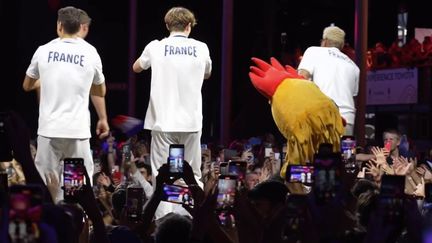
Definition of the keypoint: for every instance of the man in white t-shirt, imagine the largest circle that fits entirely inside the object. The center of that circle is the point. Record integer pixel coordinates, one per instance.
(179, 65)
(334, 73)
(70, 70)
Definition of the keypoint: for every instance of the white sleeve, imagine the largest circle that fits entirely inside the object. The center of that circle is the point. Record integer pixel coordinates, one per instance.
(208, 61)
(33, 69)
(307, 61)
(138, 178)
(99, 77)
(356, 85)
(145, 58)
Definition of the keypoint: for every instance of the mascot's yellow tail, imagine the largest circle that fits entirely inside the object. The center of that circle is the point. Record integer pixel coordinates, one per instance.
(307, 118)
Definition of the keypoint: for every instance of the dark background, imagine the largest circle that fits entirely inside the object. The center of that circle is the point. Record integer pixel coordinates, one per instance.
(257, 26)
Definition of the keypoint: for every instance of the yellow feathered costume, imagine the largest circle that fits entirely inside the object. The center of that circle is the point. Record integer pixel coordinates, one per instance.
(304, 115)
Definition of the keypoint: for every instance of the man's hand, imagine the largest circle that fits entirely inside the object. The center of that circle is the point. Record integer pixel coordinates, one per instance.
(102, 128)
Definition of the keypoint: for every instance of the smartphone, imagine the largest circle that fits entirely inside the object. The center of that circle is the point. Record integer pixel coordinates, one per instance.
(223, 168)
(387, 146)
(177, 194)
(176, 157)
(327, 176)
(348, 151)
(134, 203)
(348, 147)
(237, 168)
(116, 174)
(300, 174)
(25, 211)
(97, 165)
(227, 189)
(126, 150)
(391, 197)
(268, 151)
(73, 177)
(5, 146)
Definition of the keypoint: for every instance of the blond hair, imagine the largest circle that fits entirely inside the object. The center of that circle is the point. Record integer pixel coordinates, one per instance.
(334, 36)
(178, 18)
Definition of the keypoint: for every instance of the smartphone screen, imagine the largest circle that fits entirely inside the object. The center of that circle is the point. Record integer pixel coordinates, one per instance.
(177, 194)
(237, 168)
(327, 176)
(134, 203)
(348, 147)
(268, 151)
(126, 150)
(25, 211)
(300, 174)
(73, 177)
(391, 197)
(387, 146)
(348, 150)
(176, 157)
(227, 188)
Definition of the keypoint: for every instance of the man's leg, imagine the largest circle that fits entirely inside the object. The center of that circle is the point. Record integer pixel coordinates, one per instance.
(192, 142)
(349, 130)
(80, 148)
(47, 162)
(159, 147)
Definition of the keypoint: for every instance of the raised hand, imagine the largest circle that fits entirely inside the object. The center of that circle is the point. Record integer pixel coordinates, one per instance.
(373, 170)
(379, 155)
(402, 166)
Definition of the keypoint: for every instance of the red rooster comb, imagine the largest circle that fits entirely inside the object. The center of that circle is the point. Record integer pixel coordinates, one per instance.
(266, 77)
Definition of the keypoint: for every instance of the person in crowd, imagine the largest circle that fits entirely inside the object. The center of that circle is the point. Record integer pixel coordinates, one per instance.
(179, 65)
(335, 73)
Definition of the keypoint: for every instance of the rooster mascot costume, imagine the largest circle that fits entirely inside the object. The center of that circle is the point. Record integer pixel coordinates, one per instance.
(304, 115)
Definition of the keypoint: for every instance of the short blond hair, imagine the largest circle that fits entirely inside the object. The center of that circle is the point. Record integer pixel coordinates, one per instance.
(178, 18)
(334, 36)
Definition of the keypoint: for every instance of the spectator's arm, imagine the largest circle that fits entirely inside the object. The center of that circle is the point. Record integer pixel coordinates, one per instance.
(138, 178)
(152, 204)
(87, 200)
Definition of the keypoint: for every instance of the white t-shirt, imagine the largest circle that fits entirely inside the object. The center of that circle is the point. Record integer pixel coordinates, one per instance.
(336, 75)
(67, 68)
(178, 66)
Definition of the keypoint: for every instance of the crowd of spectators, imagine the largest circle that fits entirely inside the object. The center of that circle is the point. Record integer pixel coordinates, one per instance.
(266, 207)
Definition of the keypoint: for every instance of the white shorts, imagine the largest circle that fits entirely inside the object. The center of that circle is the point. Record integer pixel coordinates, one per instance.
(51, 152)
